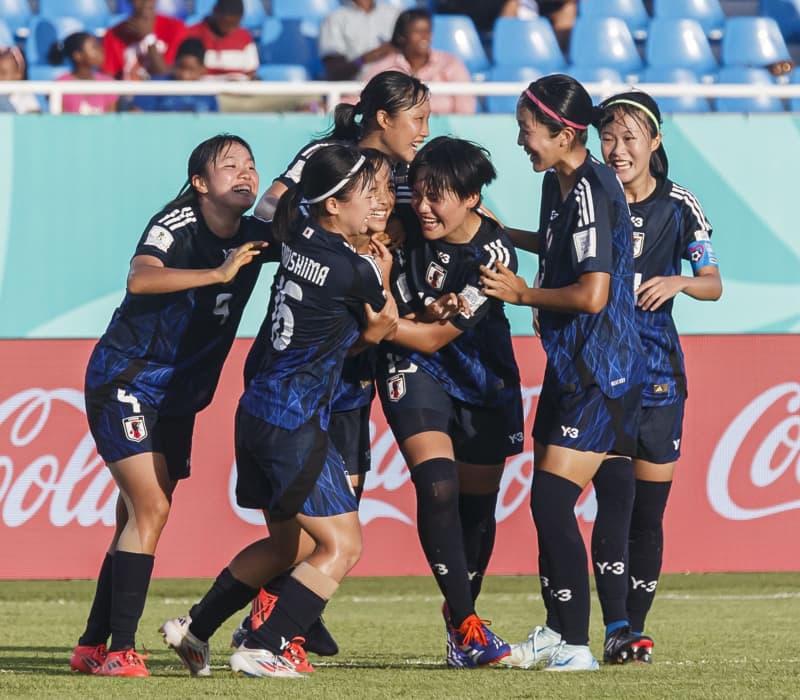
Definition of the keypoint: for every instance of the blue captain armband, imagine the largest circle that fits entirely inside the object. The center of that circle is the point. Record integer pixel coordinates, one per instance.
(701, 254)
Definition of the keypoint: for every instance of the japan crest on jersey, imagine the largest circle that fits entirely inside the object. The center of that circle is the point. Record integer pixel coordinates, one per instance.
(135, 428)
(638, 243)
(435, 275)
(396, 387)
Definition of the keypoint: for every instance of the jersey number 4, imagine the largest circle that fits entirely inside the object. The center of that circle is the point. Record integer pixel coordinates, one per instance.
(282, 316)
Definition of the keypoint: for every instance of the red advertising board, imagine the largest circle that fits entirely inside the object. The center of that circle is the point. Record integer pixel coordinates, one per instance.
(736, 494)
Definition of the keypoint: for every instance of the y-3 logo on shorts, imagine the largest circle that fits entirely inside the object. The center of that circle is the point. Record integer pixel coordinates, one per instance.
(676, 443)
(516, 438)
(569, 431)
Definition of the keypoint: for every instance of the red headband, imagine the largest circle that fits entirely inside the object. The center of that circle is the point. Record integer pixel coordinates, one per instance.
(541, 105)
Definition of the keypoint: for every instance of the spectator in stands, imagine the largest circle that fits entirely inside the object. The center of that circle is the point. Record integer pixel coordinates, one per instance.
(521, 9)
(231, 52)
(86, 55)
(413, 55)
(12, 67)
(562, 15)
(355, 34)
(189, 65)
(143, 45)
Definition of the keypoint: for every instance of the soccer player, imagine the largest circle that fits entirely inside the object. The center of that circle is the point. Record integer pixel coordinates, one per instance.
(286, 464)
(589, 404)
(391, 116)
(156, 366)
(450, 390)
(668, 226)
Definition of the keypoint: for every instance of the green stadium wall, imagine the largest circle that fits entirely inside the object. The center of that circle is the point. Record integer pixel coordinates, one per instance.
(77, 191)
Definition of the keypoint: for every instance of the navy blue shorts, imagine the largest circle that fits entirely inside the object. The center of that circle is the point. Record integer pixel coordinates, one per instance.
(660, 433)
(124, 427)
(349, 433)
(286, 472)
(585, 419)
(480, 434)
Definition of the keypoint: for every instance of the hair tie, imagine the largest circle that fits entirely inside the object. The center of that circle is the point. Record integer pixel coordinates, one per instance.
(541, 105)
(639, 105)
(338, 185)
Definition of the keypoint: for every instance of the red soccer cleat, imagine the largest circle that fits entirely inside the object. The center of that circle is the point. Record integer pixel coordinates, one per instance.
(87, 659)
(126, 663)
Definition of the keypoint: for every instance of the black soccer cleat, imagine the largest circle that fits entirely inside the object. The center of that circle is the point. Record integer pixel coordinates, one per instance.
(623, 646)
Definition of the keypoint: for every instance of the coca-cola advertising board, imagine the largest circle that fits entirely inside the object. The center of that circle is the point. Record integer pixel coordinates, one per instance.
(735, 504)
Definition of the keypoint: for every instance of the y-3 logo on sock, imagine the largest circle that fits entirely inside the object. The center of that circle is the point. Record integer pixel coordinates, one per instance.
(611, 567)
(563, 595)
(648, 586)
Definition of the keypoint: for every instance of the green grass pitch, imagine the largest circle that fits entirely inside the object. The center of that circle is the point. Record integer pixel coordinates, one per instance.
(717, 636)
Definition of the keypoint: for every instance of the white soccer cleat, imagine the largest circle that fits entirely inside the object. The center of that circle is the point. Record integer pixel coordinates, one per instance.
(193, 652)
(538, 647)
(261, 663)
(572, 657)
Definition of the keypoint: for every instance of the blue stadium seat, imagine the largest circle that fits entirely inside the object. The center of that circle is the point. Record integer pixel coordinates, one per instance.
(44, 32)
(507, 104)
(787, 14)
(457, 34)
(604, 41)
(708, 13)
(753, 76)
(596, 74)
(684, 103)
(679, 43)
(171, 8)
(46, 72)
(283, 72)
(93, 14)
(254, 13)
(6, 35)
(794, 102)
(521, 42)
(632, 11)
(753, 41)
(303, 9)
(17, 15)
(290, 41)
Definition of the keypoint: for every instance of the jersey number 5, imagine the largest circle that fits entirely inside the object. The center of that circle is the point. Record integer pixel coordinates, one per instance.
(282, 316)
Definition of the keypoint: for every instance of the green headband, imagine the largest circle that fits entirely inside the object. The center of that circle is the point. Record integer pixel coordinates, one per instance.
(639, 105)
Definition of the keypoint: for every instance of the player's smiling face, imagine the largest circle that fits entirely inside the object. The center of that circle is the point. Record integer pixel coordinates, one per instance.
(231, 179)
(384, 200)
(535, 139)
(442, 214)
(350, 216)
(626, 145)
(405, 132)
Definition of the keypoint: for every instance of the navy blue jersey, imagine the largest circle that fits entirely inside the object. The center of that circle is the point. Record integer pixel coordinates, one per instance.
(356, 387)
(590, 231)
(478, 367)
(315, 314)
(167, 350)
(665, 226)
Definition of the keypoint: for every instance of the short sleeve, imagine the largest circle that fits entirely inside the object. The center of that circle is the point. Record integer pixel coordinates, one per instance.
(592, 239)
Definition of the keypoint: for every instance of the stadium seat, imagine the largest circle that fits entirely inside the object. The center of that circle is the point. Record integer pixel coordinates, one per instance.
(457, 34)
(507, 104)
(303, 9)
(683, 103)
(787, 14)
(93, 14)
(794, 102)
(290, 41)
(708, 13)
(43, 32)
(6, 35)
(679, 43)
(604, 41)
(596, 74)
(753, 41)
(171, 8)
(632, 11)
(283, 72)
(46, 72)
(16, 14)
(254, 13)
(753, 76)
(526, 42)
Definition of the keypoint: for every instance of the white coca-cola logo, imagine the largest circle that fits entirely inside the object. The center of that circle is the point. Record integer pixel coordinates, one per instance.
(777, 454)
(389, 474)
(75, 491)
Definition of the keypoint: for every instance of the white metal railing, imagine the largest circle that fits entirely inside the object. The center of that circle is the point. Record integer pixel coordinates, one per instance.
(333, 91)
